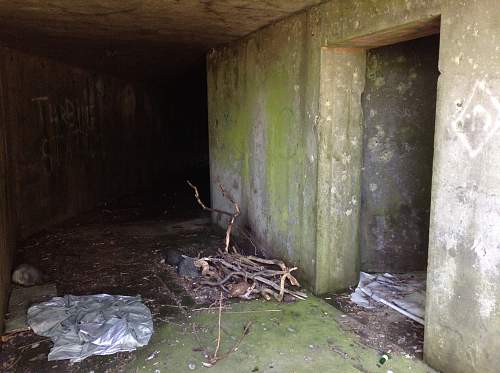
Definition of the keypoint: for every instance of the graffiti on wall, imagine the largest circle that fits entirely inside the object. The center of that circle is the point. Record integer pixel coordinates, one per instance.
(478, 119)
(69, 130)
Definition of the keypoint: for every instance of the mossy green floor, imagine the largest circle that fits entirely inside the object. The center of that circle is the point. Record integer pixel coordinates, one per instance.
(300, 337)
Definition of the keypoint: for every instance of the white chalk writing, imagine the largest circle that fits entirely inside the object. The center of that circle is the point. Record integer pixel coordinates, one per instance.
(478, 120)
(69, 130)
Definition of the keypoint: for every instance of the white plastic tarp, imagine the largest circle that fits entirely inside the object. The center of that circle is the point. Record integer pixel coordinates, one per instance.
(403, 292)
(81, 326)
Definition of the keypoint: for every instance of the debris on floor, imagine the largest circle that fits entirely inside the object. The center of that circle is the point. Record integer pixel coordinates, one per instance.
(247, 277)
(232, 215)
(20, 299)
(27, 275)
(187, 267)
(124, 243)
(241, 276)
(128, 244)
(405, 293)
(81, 326)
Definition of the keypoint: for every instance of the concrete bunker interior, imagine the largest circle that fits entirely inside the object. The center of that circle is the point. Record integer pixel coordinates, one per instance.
(318, 118)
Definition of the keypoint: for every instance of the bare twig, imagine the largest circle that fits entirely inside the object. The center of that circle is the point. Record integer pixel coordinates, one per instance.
(232, 216)
(218, 335)
(249, 239)
(216, 357)
(236, 345)
(197, 196)
(246, 330)
(13, 364)
(207, 309)
(244, 276)
(33, 344)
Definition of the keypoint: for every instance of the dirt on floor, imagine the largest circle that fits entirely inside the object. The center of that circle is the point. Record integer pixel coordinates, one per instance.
(380, 327)
(120, 249)
(117, 249)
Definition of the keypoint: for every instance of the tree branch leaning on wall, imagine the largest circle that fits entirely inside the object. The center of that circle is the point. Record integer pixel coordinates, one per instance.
(232, 216)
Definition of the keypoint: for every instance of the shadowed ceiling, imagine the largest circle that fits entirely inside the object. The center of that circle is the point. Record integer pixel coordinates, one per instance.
(139, 39)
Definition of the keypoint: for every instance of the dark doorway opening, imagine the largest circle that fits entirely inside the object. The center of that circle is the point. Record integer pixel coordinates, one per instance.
(399, 105)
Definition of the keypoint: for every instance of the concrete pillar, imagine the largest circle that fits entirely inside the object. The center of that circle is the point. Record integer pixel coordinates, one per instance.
(342, 80)
(463, 292)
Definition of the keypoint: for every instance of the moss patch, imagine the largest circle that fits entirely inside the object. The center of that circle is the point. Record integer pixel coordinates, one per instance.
(300, 337)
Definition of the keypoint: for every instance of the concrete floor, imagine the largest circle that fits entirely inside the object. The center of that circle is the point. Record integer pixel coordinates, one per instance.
(302, 337)
(118, 250)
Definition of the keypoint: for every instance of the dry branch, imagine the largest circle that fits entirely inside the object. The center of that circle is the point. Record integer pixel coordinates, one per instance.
(218, 335)
(243, 276)
(232, 216)
(216, 357)
(266, 279)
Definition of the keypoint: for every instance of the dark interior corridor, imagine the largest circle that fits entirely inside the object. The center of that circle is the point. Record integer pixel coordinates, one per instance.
(103, 119)
(399, 119)
(249, 186)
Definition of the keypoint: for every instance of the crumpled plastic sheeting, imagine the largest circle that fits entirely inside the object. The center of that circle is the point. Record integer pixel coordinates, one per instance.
(404, 293)
(81, 326)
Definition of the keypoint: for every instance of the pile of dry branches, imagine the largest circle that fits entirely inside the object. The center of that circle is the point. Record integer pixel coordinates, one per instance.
(245, 276)
(249, 276)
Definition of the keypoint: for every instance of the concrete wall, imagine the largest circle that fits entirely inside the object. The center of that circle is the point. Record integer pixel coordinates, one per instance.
(262, 143)
(399, 109)
(463, 301)
(6, 213)
(340, 134)
(69, 140)
(269, 131)
(266, 126)
(75, 138)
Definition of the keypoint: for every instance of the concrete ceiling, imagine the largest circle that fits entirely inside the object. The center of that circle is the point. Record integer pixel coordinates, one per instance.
(140, 39)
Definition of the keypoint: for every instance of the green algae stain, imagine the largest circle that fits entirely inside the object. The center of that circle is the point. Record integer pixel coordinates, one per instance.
(280, 123)
(255, 126)
(230, 124)
(303, 337)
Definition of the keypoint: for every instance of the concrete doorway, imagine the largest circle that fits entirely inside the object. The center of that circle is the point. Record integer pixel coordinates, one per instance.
(399, 106)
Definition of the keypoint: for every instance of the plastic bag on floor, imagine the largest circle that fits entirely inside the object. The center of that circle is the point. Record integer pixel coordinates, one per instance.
(404, 293)
(81, 326)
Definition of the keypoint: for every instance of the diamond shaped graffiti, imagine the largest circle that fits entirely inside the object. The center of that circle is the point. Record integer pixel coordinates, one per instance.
(479, 119)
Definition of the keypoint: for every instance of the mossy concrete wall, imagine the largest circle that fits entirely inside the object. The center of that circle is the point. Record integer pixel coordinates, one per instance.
(263, 146)
(340, 135)
(399, 106)
(266, 120)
